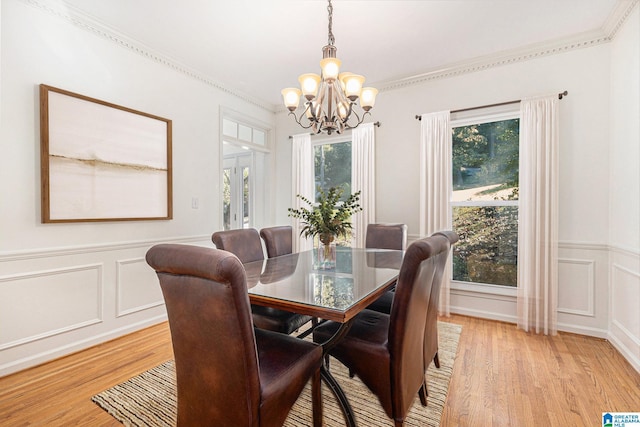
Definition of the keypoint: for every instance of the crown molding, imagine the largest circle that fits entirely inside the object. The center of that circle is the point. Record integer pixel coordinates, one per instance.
(618, 17)
(66, 12)
(605, 34)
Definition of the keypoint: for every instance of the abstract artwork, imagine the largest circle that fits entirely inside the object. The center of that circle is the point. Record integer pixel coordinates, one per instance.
(102, 162)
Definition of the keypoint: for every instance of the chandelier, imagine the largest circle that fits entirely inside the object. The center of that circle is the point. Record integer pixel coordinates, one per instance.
(330, 98)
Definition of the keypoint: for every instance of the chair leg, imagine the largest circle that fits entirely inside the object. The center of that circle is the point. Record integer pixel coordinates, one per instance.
(316, 399)
(399, 423)
(436, 361)
(423, 394)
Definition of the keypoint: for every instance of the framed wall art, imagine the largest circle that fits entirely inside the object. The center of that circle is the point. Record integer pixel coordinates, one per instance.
(102, 162)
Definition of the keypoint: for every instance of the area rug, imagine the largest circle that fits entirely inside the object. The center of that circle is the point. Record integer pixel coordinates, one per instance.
(149, 399)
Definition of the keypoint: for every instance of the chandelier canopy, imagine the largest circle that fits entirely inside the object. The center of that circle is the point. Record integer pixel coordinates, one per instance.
(330, 98)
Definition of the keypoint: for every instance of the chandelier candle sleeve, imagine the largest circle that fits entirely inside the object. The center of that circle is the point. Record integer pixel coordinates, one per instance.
(330, 98)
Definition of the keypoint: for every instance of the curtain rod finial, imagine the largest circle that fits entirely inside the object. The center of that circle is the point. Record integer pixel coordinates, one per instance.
(562, 94)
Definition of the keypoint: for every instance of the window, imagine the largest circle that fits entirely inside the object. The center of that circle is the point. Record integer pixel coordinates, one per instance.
(332, 168)
(484, 203)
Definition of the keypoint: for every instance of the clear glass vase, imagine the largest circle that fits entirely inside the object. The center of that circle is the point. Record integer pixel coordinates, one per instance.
(326, 255)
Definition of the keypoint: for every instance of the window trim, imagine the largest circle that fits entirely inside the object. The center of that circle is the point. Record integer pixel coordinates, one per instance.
(252, 149)
(465, 119)
(484, 288)
(242, 119)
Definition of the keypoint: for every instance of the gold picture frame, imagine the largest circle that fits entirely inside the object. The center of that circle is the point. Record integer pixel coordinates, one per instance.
(101, 161)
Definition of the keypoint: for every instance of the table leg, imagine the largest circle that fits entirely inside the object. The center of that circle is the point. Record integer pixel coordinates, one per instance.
(339, 394)
(331, 381)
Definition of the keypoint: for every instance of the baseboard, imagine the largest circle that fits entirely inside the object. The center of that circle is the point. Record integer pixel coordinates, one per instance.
(583, 330)
(627, 353)
(65, 350)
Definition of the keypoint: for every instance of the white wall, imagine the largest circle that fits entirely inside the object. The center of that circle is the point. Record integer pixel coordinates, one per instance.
(64, 287)
(595, 162)
(624, 199)
(67, 286)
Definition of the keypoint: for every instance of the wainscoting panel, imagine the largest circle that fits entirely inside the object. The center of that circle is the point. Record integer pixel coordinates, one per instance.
(582, 292)
(57, 301)
(624, 331)
(576, 287)
(583, 282)
(137, 287)
(49, 302)
(624, 285)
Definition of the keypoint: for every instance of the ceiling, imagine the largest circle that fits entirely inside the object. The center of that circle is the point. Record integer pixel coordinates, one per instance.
(258, 47)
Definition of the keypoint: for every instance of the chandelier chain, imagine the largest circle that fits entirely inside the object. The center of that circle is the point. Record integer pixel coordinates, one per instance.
(330, 10)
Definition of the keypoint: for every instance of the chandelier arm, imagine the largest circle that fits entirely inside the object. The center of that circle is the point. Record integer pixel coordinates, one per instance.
(291, 113)
(360, 120)
(349, 111)
(312, 111)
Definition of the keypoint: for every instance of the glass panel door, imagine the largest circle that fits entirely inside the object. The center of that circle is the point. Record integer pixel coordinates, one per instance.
(237, 195)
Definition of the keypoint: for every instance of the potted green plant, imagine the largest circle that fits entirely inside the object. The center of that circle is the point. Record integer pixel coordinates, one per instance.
(328, 218)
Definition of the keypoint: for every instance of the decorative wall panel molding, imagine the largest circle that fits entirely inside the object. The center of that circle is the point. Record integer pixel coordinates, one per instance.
(49, 302)
(576, 286)
(137, 287)
(625, 292)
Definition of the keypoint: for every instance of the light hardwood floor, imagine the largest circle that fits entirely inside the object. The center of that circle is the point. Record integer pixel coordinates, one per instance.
(501, 377)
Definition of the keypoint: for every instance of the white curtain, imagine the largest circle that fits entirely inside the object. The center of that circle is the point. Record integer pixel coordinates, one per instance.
(363, 178)
(436, 186)
(302, 179)
(538, 215)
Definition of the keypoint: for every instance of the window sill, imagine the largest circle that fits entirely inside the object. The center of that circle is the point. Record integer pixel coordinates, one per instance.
(481, 288)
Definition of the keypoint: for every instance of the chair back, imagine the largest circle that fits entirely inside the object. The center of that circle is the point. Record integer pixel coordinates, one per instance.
(279, 269)
(407, 318)
(278, 240)
(431, 328)
(244, 243)
(212, 334)
(386, 236)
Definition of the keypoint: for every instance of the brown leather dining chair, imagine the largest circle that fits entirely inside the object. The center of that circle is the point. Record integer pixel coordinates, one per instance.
(247, 246)
(431, 328)
(385, 236)
(228, 372)
(386, 350)
(383, 304)
(277, 240)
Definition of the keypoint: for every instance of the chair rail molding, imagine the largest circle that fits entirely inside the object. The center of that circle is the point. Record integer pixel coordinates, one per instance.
(84, 249)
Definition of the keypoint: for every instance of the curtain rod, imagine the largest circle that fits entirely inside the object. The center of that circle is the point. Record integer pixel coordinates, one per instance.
(499, 104)
(376, 124)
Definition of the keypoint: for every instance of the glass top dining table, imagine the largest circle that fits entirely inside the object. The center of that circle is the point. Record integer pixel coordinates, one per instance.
(295, 282)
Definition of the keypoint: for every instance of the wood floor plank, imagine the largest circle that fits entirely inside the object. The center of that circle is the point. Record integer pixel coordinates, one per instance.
(534, 380)
(59, 393)
(502, 377)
